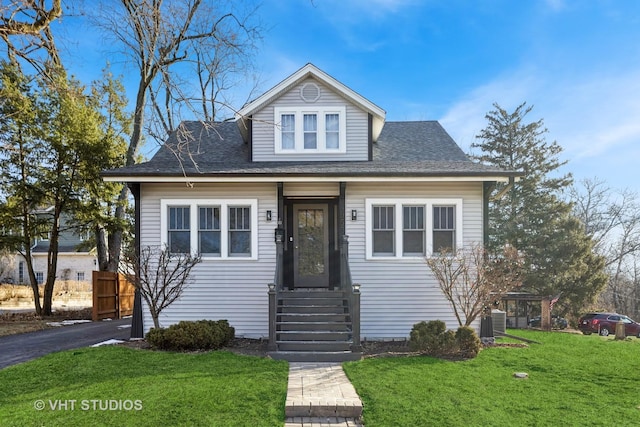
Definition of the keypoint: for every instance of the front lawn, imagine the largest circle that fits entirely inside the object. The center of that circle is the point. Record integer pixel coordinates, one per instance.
(574, 380)
(116, 386)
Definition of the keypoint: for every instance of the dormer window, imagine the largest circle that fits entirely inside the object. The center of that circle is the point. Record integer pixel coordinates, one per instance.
(310, 129)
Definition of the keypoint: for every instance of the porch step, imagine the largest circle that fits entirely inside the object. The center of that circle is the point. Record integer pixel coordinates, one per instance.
(324, 346)
(312, 317)
(313, 326)
(312, 309)
(313, 335)
(315, 356)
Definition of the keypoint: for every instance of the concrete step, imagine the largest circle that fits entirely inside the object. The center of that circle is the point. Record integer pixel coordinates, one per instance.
(321, 390)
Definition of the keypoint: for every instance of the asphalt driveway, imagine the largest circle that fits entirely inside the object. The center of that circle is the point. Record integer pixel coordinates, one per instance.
(31, 345)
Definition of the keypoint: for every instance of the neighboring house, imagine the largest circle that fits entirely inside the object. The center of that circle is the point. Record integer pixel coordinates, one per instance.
(75, 261)
(311, 161)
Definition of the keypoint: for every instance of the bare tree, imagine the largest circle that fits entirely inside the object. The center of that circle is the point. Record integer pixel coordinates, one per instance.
(25, 29)
(472, 280)
(171, 43)
(612, 218)
(159, 275)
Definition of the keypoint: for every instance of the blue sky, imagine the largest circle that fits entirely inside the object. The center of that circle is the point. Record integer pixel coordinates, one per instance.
(576, 61)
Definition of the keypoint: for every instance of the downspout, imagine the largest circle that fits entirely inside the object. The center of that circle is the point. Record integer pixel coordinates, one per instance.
(137, 327)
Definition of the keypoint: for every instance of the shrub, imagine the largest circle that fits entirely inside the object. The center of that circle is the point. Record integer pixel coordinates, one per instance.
(432, 338)
(190, 336)
(468, 342)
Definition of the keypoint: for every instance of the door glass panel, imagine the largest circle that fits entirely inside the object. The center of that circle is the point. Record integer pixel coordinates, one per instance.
(311, 259)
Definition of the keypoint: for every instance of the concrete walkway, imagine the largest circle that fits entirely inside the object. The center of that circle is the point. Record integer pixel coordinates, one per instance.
(320, 394)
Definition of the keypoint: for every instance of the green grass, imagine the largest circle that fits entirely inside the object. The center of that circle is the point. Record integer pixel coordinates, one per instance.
(574, 380)
(212, 389)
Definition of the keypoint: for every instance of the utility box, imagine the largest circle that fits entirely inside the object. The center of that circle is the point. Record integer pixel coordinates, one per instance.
(499, 320)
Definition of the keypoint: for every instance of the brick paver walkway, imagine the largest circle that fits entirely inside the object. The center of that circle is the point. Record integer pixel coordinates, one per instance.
(320, 394)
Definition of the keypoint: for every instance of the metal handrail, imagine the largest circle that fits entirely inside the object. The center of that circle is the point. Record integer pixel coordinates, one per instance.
(353, 291)
(274, 289)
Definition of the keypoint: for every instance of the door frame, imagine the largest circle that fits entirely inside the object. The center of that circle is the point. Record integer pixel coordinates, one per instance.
(289, 204)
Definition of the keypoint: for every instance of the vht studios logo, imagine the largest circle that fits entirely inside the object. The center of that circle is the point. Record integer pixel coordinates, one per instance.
(88, 405)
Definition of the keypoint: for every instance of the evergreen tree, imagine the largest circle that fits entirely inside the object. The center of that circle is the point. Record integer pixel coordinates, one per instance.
(531, 216)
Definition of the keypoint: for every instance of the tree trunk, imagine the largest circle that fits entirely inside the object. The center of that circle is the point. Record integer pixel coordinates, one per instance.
(52, 263)
(101, 248)
(33, 280)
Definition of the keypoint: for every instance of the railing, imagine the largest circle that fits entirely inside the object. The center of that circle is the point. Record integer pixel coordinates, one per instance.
(353, 291)
(274, 289)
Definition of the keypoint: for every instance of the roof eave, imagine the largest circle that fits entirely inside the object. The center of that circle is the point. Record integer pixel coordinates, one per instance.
(304, 72)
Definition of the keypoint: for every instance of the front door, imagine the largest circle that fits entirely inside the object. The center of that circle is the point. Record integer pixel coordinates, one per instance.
(311, 245)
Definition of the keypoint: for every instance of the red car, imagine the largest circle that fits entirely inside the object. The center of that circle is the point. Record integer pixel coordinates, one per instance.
(605, 324)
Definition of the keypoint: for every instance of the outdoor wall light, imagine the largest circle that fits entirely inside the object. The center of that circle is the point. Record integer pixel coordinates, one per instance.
(356, 287)
(354, 214)
(268, 215)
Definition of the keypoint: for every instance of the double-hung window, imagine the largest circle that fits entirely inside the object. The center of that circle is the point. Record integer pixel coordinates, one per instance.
(412, 228)
(179, 232)
(211, 228)
(413, 236)
(383, 232)
(239, 231)
(310, 130)
(444, 228)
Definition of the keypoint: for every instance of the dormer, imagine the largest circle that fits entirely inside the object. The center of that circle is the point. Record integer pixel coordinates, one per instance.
(310, 116)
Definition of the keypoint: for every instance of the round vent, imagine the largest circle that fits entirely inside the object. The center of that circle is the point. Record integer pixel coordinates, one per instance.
(310, 92)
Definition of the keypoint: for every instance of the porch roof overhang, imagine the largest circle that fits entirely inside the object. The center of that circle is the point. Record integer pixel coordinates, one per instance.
(180, 178)
(354, 171)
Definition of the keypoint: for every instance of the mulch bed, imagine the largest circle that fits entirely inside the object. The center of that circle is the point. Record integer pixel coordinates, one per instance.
(258, 347)
(84, 314)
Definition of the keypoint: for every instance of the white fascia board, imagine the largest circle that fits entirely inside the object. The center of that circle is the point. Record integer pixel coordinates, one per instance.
(302, 73)
(274, 178)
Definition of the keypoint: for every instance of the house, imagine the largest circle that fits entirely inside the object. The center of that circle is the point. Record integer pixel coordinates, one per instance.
(267, 198)
(76, 261)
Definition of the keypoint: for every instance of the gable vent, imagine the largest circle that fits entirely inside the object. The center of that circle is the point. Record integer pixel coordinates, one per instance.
(310, 92)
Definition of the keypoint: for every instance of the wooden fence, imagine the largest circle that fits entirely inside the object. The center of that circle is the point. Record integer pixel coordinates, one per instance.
(112, 296)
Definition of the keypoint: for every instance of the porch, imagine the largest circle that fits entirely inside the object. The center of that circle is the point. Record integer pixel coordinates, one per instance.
(312, 324)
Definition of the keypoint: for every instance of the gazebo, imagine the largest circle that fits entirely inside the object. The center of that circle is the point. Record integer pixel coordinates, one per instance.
(520, 307)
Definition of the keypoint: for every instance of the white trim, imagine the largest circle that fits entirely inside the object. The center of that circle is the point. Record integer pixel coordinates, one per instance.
(318, 178)
(301, 74)
(311, 70)
(398, 203)
(321, 112)
(224, 205)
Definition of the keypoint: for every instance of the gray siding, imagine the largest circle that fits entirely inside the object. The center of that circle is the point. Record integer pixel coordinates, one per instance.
(232, 289)
(396, 294)
(264, 127)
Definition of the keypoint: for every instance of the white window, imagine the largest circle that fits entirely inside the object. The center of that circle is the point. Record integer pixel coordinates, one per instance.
(80, 276)
(179, 231)
(412, 228)
(383, 233)
(39, 277)
(209, 230)
(212, 228)
(444, 228)
(310, 130)
(21, 272)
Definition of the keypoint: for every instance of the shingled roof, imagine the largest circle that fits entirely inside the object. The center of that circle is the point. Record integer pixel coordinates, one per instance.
(404, 149)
